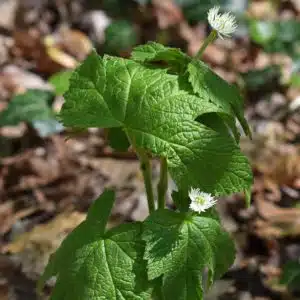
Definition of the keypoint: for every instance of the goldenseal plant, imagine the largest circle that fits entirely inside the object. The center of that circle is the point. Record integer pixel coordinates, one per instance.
(173, 108)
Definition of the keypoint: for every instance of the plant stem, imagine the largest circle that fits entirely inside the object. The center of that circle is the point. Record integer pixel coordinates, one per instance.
(163, 183)
(145, 166)
(212, 36)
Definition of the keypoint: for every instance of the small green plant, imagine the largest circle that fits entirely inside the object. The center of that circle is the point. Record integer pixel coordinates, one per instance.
(291, 275)
(34, 108)
(175, 108)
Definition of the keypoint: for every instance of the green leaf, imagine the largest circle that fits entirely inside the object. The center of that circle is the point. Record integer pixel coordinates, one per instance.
(92, 264)
(154, 52)
(31, 106)
(34, 108)
(210, 86)
(120, 36)
(277, 36)
(179, 62)
(295, 80)
(60, 81)
(291, 274)
(295, 77)
(118, 139)
(262, 32)
(158, 116)
(181, 200)
(180, 246)
(263, 79)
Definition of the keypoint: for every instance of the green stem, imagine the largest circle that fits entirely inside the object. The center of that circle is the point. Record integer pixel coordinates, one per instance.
(146, 170)
(163, 183)
(145, 166)
(212, 36)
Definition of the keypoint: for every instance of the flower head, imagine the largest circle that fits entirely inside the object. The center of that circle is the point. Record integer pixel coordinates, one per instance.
(224, 24)
(201, 201)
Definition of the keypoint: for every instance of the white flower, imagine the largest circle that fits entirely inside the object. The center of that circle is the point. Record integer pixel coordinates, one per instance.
(200, 200)
(224, 24)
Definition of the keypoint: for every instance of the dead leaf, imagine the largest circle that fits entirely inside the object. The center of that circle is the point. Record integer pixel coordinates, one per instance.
(16, 80)
(167, 13)
(33, 249)
(61, 58)
(276, 214)
(278, 222)
(49, 234)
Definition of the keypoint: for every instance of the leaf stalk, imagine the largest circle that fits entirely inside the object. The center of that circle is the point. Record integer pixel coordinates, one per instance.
(145, 165)
(162, 186)
(212, 36)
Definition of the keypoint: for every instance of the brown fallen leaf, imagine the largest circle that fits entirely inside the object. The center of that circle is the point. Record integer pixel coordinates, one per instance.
(6, 213)
(33, 249)
(167, 13)
(261, 9)
(276, 214)
(74, 42)
(278, 222)
(4, 289)
(46, 234)
(61, 58)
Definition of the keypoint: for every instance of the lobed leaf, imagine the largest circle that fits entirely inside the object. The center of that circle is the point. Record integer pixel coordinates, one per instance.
(92, 264)
(209, 85)
(157, 115)
(180, 246)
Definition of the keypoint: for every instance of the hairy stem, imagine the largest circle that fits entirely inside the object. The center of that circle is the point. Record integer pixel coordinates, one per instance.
(212, 36)
(163, 183)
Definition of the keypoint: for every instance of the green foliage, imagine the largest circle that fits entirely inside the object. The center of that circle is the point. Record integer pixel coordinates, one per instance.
(158, 115)
(34, 108)
(264, 79)
(275, 36)
(117, 139)
(291, 275)
(179, 246)
(60, 81)
(30, 106)
(210, 86)
(154, 52)
(170, 106)
(120, 36)
(94, 264)
(295, 77)
(262, 32)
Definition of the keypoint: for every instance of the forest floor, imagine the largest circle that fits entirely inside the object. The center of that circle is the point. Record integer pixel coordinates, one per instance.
(50, 175)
